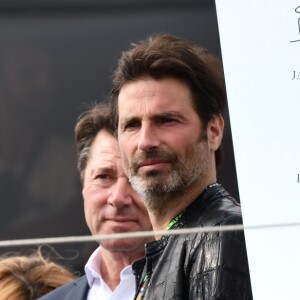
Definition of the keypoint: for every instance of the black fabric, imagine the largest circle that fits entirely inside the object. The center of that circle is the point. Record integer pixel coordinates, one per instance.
(75, 290)
(204, 265)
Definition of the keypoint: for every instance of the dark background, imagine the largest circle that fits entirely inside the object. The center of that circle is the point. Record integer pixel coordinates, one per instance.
(56, 56)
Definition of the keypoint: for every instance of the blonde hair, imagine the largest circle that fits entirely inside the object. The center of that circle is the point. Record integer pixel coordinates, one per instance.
(30, 277)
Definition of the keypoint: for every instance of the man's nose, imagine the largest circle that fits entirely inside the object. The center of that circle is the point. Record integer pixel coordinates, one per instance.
(148, 138)
(121, 193)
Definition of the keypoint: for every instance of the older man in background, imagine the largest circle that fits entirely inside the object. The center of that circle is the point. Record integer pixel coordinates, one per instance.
(110, 206)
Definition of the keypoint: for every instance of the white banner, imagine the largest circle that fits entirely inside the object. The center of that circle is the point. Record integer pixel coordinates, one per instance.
(260, 42)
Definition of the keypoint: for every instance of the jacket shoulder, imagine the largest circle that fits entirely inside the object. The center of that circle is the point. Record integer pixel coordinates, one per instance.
(214, 207)
(75, 290)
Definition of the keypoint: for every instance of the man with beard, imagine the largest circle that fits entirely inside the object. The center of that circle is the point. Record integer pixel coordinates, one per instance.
(168, 97)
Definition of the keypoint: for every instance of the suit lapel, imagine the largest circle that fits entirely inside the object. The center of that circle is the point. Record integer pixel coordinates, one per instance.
(80, 291)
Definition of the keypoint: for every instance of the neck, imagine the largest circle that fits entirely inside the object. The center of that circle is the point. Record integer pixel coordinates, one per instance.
(112, 263)
(161, 219)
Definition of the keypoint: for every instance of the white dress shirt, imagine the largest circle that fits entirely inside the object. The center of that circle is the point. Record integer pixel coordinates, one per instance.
(99, 289)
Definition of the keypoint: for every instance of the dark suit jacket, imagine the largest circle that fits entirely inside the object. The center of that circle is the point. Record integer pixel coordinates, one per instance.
(75, 290)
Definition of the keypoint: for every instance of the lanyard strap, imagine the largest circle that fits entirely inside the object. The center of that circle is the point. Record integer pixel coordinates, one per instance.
(175, 220)
(141, 290)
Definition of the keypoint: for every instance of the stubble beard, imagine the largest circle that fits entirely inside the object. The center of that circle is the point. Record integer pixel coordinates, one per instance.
(161, 189)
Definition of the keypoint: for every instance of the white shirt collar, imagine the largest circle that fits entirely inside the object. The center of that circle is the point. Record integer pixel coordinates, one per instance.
(97, 284)
(92, 267)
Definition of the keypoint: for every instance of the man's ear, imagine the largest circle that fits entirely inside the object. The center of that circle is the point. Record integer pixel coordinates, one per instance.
(215, 128)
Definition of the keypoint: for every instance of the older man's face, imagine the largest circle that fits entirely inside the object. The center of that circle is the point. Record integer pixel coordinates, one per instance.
(110, 203)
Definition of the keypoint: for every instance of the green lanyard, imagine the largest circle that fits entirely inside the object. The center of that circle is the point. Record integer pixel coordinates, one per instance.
(175, 220)
(141, 292)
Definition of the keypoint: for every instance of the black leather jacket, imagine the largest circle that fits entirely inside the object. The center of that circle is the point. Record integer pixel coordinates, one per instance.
(199, 265)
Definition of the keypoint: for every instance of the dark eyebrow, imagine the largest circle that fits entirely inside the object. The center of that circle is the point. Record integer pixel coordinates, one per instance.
(157, 116)
(168, 114)
(109, 170)
(129, 119)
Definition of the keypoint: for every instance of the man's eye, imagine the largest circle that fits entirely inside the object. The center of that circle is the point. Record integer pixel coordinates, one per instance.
(166, 120)
(131, 125)
(103, 176)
